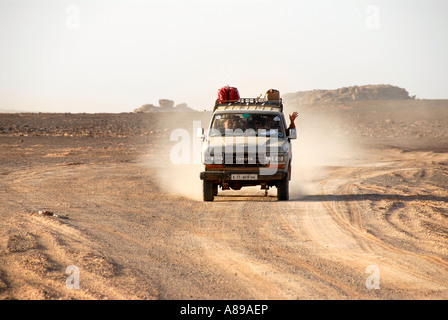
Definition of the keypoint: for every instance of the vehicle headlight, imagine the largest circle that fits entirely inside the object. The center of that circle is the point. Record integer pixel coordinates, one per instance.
(275, 158)
(213, 159)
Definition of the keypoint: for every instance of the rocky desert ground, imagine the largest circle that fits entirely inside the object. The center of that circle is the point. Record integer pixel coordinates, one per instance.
(92, 208)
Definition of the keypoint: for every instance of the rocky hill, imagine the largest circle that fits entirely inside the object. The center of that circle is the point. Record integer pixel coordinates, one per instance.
(346, 94)
(165, 105)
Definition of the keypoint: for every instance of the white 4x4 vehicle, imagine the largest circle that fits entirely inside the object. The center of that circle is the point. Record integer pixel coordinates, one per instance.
(247, 144)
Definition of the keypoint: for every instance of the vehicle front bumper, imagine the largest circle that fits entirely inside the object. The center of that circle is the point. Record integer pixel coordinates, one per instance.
(226, 176)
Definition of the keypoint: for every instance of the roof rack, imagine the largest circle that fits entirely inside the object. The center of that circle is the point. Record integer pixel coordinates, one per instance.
(249, 102)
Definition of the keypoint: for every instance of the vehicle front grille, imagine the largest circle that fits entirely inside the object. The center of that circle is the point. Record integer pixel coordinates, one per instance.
(246, 161)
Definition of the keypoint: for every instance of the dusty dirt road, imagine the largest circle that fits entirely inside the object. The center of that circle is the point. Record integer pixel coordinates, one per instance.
(370, 222)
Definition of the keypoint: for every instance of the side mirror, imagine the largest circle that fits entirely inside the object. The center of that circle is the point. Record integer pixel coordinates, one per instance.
(200, 132)
(292, 133)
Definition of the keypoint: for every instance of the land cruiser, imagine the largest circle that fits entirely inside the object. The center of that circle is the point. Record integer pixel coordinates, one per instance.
(246, 144)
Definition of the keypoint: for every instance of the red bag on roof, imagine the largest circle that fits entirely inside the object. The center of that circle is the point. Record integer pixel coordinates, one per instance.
(228, 94)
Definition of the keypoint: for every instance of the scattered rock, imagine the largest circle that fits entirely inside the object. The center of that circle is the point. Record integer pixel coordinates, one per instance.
(46, 213)
(51, 214)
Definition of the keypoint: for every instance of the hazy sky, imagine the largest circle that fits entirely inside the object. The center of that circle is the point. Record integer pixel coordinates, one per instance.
(116, 55)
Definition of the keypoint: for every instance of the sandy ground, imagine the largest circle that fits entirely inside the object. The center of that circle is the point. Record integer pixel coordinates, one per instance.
(367, 219)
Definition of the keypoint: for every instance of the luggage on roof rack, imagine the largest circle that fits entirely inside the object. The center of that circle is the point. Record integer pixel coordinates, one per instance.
(228, 94)
(272, 95)
(251, 102)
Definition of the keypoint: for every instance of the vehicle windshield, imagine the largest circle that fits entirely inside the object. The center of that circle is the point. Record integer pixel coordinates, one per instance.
(247, 124)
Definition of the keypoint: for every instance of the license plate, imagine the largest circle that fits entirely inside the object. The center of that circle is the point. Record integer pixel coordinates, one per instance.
(242, 176)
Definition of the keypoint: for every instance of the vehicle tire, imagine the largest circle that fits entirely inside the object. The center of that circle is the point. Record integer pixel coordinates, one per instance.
(283, 190)
(215, 189)
(207, 191)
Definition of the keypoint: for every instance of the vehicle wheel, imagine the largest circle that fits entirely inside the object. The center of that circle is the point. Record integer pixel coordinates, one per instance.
(215, 189)
(207, 191)
(283, 190)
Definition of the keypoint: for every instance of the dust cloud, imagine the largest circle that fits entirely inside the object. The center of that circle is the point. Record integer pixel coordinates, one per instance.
(176, 165)
(181, 180)
(175, 178)
(320, 144)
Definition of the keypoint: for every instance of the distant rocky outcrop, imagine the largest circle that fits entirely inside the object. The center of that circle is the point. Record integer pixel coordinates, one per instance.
(165, 105)
(346, 94)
